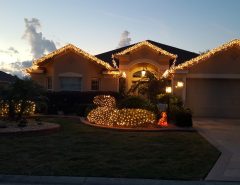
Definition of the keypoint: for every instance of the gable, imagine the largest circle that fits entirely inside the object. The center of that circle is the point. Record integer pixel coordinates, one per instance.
(145, 44)
(225, 62)
(50, 57)
(73, 62)
(182, 55)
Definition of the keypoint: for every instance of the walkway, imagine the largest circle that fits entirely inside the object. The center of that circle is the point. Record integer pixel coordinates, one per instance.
(224, 134)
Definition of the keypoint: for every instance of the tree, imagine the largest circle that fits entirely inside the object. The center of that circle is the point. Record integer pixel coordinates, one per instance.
(149, 87)
(20, 94)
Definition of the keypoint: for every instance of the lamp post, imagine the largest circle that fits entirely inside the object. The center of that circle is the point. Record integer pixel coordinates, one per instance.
(168, 91)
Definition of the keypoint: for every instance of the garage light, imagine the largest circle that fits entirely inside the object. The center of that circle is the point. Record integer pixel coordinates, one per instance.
(180, 84)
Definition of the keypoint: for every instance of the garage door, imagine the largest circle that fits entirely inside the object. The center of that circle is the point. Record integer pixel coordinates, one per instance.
(214, 97)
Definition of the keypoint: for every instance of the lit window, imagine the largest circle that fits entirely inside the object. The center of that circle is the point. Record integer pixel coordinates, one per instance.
(95, 85)
(49, 82)
(70, 83)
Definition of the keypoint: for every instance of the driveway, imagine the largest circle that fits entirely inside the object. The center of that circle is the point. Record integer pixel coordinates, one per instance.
(224, 134)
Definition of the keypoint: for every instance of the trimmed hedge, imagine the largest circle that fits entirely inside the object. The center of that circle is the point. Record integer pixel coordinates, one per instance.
(72, 102)
(137, 102)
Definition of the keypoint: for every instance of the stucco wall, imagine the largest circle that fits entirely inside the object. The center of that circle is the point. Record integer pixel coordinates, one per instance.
(40, 79)
(72, 64)
(226, 62)
(143, 58)
(211, 88)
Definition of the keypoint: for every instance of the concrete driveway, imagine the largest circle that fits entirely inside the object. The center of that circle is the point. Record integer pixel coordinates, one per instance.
(224, 134)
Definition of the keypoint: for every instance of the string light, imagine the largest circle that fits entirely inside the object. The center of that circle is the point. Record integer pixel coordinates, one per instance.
(29, 110)
(104, 101)
(4, 109)
(146, 43)
(64, 49)
(204, 57)
(121, 117)
(106, 114)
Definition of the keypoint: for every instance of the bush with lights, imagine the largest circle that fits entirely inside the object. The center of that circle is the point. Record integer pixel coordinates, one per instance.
(29, 109)
(19, 99)
(107, 114)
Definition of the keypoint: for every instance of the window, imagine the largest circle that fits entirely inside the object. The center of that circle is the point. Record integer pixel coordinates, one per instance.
(95, 85)
(49, 83)
(70, 83)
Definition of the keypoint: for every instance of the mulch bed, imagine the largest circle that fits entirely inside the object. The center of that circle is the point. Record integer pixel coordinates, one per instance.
(13, 128)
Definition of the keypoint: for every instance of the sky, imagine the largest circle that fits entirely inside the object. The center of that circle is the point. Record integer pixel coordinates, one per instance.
(30, 29)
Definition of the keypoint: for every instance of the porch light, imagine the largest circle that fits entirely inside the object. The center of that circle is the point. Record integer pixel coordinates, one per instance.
(168, 89)
(124, 75)
(180, 84)
(143, 72)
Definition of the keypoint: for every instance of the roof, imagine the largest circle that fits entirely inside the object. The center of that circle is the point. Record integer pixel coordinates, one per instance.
(146, 43)
(182, 55)
(77, 50)
(4, 77)
(205, 56)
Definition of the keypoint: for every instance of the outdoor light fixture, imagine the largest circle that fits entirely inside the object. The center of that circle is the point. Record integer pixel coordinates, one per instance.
(124, 75)
(180, 84)
(168, 89)
(143, 72)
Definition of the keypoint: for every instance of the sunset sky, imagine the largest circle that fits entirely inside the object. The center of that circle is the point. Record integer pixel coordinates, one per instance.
(30, 29)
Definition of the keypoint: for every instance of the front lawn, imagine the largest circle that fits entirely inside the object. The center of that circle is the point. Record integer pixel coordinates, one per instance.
(80, 150)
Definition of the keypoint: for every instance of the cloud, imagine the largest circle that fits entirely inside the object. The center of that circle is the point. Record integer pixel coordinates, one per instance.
(15, 68)
(13, 50)
(39, 44)
(10, 50)
(124, 40)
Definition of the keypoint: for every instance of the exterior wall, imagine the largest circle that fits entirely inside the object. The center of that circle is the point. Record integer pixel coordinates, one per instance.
(71, 64)
(144, 58)
(109, 84)
(40, 79)
(226, 62)
(211, 87)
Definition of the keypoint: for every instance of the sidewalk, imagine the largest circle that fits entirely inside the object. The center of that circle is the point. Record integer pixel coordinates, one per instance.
(43, 180)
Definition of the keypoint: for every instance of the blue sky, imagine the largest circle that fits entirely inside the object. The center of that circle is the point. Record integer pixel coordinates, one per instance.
(96, 25)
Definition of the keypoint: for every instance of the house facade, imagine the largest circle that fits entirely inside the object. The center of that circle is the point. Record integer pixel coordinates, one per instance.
(210, 82)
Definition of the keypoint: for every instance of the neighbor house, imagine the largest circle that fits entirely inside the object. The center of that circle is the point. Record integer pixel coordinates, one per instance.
(210, 82)
(6, 79)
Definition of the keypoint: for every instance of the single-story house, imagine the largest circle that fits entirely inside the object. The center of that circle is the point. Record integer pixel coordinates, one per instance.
(210, 82)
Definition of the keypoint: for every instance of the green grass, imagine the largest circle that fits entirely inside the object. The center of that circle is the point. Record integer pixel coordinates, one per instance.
(80, 150)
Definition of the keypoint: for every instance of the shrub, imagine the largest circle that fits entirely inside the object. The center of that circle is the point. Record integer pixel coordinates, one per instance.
(137, 102)
(173, 100)
(73, 102)
(183, 118)
(121, 118)
(104, 101)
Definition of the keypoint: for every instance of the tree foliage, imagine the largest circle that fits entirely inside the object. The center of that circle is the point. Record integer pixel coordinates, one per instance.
(20, 93)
